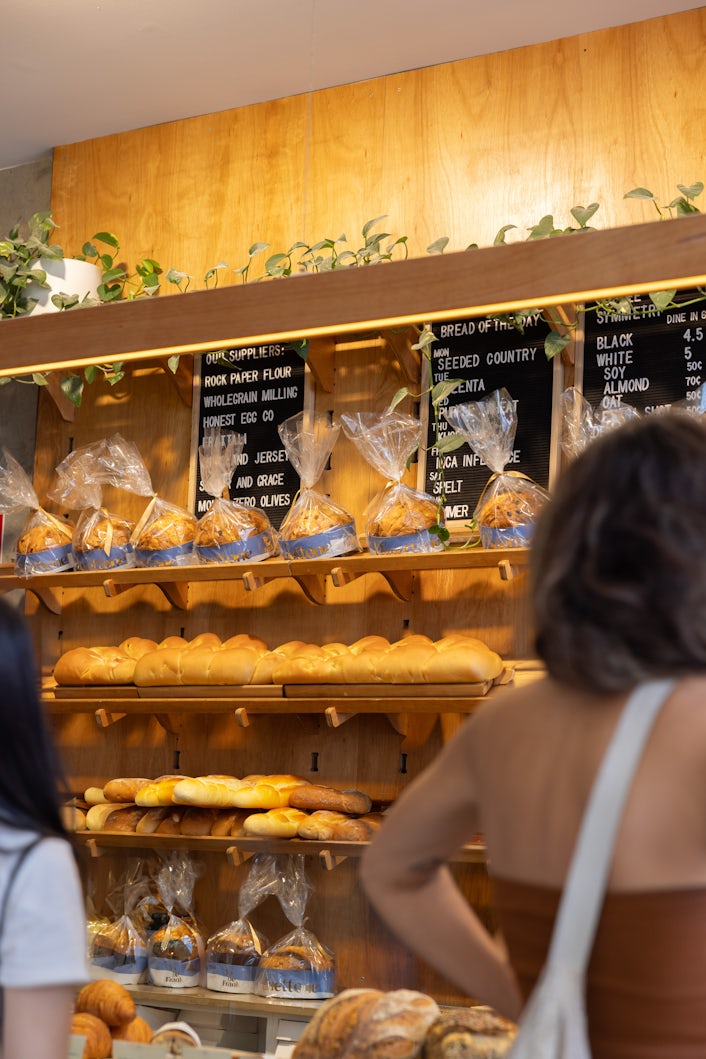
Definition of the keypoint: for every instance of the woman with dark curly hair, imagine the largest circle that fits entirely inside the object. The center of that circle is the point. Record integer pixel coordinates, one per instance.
(618, 587)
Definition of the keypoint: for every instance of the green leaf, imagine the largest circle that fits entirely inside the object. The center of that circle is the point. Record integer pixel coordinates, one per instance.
(173, 363)
(116, 377)
(500, 237)
(662, 299)
(439, 245)
(440, 531)
(638, 193)
(442, 389)
(554, 343)
(90, 373)
(301, 347)
(583, 214)
(38, 378)
(399, 396)
(371, 224)
(257, 248)
(89, 250)
(108, 238)
(543, 229)
(692, 191)
(683, 207)
(72, 387)
(449, 442)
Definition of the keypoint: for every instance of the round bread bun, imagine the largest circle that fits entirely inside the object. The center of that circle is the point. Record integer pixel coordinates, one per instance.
(315, 514)
(107, 531)
(408, 513)
(167, 531)
(224, 525)
(40, 535)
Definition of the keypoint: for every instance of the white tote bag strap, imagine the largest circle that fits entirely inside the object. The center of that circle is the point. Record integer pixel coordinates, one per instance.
(584, 889)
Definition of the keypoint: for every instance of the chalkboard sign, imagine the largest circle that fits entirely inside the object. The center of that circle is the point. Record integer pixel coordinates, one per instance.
(489, 353)
(647, 358)
(251, 391)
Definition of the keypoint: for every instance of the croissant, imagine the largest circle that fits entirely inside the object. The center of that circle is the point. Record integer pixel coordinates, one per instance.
(99, 1043)
(139, 1030)
(107, 1000)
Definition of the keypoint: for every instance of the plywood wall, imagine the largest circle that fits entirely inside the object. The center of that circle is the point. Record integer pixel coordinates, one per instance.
(456, 150)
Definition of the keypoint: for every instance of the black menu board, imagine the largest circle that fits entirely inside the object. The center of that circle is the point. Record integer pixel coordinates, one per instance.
(646, 357)
(489, 353)
(251, 391)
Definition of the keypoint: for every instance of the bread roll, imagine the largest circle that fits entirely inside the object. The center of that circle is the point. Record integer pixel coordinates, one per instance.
(151, 819)
(194, 663)
(124, 790)
(137, 646)
(368, 1024)
(244, 639)
(275, 823)
(94, 796)
(42, 532)
(171, 823)
(124, 819)
(234, 665)
(98, 814)
(94, 665)
(229, 822)
(99, 1043)
(466, 1033)
(216, 792)
(196, 821)
(159, 668)
(311, 796)
(158, 792)
(108, 1000)
(73, 818)
(167, 531)
(264, 668)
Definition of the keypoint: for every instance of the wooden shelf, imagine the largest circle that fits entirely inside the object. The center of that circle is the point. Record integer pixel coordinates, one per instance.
(240, 849)
(310, 574)
(534, 273)
(243, 1004)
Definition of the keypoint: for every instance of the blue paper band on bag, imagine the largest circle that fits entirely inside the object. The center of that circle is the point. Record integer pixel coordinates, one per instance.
(48, 560)
(252, 549)
(336, 541)
(423, 541)
(310, 985)
(135, 964)
(181, 555)
(96, 558)
(230, 978)
(507, 537)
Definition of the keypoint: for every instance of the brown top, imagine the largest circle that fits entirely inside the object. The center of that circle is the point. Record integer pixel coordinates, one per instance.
(646, 979)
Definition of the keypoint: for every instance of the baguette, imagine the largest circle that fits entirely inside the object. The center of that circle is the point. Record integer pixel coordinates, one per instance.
(229, 822)
(312, 796)
(151, 819)
(196, 821)
(98, 814)
(124, 819)
(124, 790)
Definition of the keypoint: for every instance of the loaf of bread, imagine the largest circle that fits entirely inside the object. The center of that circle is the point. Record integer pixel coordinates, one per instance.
(171, 823)
(158, 792)
(151, 819)
(311, 796)
(312, 513)
(124, 789)
(407, 512)
(108, 1000)
(125, 819)
(369, 1024)
(102, 665)
(274, 823)
(196, 821)
(43, 531)
(98, 814)
(168, 530)
(99, 1043)
(469, 1033)
(325, 825)
(227, 522)
(229, 822)
(207, 791)
(101, 530)
(266, 792)
(515, 507)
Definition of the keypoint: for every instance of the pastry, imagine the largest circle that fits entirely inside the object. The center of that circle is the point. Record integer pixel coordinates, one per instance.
(99, 1043)
(507, 509)
(275, 823)
(408, 512)
(108, 1000)
(314, 514)
(40, 535)
(226, 524)
(139, 1030)
(168, 530)
(104, 531)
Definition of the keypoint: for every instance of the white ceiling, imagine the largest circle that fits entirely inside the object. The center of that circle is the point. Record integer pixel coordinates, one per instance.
(72, 70)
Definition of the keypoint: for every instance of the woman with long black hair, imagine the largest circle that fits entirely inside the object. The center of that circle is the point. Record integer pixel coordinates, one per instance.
(42, 918)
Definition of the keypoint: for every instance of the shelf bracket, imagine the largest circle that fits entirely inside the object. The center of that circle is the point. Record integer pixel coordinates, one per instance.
(104, 718)
(241, 717)
(400, 581)
(94, 849)
(177, 592)
(329, 861)
(237, 856)
(414, 727)
(399, 344)
(334, 719)
(172, 723)
(47, 597)
(321, 358)
(508, 571)
(65, 407)
(313, 587)
(340, 577)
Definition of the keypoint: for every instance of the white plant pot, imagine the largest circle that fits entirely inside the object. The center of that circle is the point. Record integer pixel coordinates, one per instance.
(67, 276)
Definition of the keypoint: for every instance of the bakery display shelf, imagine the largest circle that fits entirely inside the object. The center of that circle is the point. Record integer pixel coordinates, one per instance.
(309, 574)
(234, 1003)
(239, 849)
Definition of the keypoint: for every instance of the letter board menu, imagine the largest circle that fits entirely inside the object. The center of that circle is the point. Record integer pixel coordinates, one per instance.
(489, 353)
(250, 391)
(647, 358)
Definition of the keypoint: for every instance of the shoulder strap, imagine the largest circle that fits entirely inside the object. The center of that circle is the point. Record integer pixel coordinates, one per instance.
(584, 889)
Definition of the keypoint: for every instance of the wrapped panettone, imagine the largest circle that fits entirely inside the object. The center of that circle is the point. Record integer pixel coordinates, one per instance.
(229, 531)
(164, 536)
(44, 544)
(399, 519)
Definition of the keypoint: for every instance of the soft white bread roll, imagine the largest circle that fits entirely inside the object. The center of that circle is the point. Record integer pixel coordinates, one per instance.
(275, 823)
(158, 792)
(94, 665)
(266, 664)
(137, 646)
(194, 664)
(159, 668)
(360, 668)
(73, 818)
(173, 641)
(124, 789)
(94, 796)
(216, 792)
(313, 796)
(204, 639)
(244, 639)
(320, 825)
(266, 792)
(462, 660)
(404, 662)
(98, 814)
(311, 664)
(233, 665)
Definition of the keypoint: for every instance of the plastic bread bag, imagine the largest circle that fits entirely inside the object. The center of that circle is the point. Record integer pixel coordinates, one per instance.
(398, 519)
(119, 950)
(510, 501)
(101, 540)
(298, 964)
(234, 951)
(44, 544)
(581, 424)
(176, 951)
(314, 526)
(229, 532)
